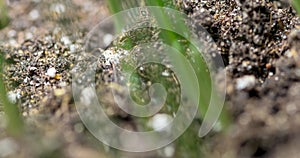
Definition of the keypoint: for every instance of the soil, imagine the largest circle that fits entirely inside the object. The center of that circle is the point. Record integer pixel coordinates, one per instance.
(259, 43)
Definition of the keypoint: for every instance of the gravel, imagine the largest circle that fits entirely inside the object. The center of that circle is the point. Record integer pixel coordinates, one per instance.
(255, 38)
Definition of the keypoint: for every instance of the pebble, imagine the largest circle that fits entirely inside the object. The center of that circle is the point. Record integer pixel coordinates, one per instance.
(51, 72)
(66, 40)
(111, 56)
(245, 82)
(79, 128)
(12, 97)
(290, 53)
(169, 151)
(159, 121)
(291, 108)
(25, 80)
(107, 39)
(8, 147)
(72, 48)
(13, 42)
(34, 14)
(11, 33)
(165, 73)
(218, 127)
(58, 8)
(63, 84)
(28, 35)
(87, 95)
(59, 92)
(32, 68)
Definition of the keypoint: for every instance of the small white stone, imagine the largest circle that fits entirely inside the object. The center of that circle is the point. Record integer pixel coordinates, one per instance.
(65, 40)
(214, 55)
(63, 84)
(289, 54)
(11, 33)
(13, 42)
(291, 109)
(165, 73)
(159, 121)
(48, 38)
(271, 74)
(51, 72)
(218, 126)
(87, 95)
(12, 97)
(73, 48)
(110, 56)
(31, 83)
(34, 14)
(107, 39)
(32, 68)
(25, 80)
(8, 147)
(58, 8)
(28, 35)
(79, 128)
(169, 151)
(245, 82)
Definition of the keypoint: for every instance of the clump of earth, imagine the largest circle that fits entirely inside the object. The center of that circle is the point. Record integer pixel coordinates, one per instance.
(258, 41)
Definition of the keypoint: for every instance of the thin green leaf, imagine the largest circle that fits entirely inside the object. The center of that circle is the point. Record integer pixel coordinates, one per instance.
(14, 122)
(4, 20)
(296, 5)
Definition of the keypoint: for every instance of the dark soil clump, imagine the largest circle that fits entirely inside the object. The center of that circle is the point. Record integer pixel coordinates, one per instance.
(256, 39)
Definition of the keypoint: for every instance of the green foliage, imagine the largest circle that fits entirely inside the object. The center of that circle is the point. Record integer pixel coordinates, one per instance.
(132, 38)
(187, 145)
(4, 20)
(296, 4)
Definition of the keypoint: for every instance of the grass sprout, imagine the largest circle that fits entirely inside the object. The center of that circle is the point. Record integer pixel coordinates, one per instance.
(12, 114)
(4, 20)
(296, 5)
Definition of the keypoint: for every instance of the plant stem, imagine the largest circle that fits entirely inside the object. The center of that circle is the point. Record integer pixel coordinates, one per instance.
(173, 40)
(4, 20)
(296, 5)
(115, 7)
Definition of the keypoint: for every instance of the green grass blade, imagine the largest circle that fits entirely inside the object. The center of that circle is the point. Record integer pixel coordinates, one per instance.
(4, 20)
(173, 40)
(13, 118)
(296, 5)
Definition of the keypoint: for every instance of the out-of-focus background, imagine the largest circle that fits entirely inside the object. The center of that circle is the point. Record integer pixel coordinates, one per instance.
(258, 41)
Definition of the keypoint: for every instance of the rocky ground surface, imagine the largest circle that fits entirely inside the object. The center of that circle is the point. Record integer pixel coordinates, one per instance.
(259, 43)
(258, 40)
